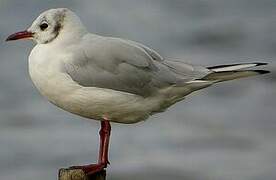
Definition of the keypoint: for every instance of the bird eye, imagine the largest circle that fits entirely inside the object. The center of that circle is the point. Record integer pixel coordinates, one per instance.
(43, 26)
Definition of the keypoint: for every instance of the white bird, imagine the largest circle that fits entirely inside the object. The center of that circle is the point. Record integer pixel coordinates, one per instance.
(110, 79)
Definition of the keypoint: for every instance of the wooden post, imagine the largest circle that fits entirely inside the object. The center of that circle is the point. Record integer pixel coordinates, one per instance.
(78, 174)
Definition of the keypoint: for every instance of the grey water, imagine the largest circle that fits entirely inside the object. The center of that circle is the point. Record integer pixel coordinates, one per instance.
(225, 132)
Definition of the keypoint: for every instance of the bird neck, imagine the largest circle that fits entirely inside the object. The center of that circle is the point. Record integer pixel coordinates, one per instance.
(72, 30)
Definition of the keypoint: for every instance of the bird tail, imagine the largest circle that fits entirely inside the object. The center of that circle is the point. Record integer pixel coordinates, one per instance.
(233, 71)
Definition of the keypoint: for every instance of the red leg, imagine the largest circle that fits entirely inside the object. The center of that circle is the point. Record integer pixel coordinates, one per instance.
(103, 151)
(104, 142)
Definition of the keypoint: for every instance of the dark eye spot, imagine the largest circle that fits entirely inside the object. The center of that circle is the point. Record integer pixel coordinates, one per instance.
(43, 26)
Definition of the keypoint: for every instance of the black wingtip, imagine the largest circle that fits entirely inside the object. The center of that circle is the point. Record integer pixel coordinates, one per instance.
(229, 65)
(261, 71)
(260, 63)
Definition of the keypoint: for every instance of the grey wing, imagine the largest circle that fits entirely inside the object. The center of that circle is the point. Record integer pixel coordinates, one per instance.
(154, 55)
(183, 71)
(123, 65)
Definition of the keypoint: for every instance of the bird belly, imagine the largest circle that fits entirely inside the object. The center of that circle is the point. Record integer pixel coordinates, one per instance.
(91, 102)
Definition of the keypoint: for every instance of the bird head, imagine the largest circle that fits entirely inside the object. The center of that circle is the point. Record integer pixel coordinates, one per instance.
(51, 24)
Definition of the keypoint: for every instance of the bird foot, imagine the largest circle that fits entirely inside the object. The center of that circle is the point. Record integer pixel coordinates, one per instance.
(91, 168)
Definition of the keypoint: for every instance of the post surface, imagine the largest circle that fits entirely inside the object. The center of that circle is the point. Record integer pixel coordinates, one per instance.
(78, 174)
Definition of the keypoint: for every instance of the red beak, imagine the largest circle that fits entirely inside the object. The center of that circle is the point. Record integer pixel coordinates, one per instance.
(20, 35)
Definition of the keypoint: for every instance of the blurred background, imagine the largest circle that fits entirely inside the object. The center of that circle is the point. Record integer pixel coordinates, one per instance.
(224, 132)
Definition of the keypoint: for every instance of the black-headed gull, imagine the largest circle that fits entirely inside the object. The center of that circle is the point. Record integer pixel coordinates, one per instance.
(110, 79)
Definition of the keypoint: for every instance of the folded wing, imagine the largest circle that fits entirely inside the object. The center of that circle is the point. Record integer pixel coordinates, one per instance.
(129, 67)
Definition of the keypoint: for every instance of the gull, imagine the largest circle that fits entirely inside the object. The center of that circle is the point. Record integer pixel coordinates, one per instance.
(110, 79)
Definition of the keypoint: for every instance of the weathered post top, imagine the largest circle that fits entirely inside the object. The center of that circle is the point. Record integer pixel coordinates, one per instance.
(78, 174)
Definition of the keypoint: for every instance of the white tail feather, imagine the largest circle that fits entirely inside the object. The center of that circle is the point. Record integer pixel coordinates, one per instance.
(233, 67)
